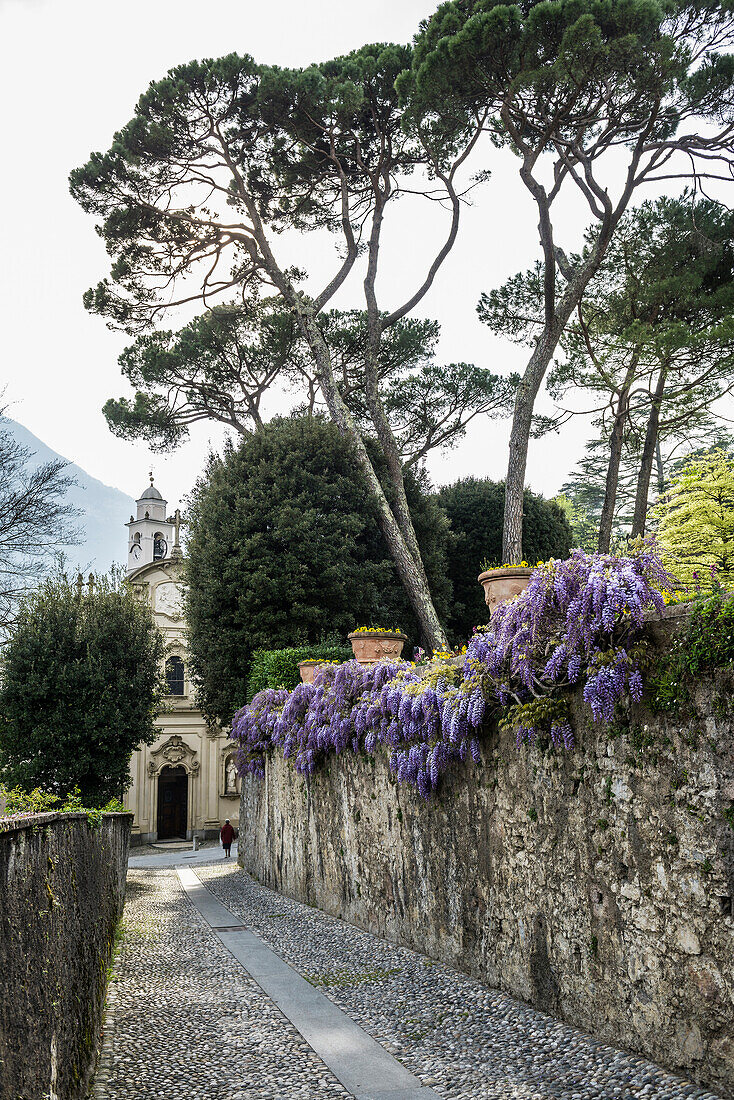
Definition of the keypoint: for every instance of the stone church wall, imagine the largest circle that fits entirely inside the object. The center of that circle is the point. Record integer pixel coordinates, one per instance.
(597, 885)
(62, 888)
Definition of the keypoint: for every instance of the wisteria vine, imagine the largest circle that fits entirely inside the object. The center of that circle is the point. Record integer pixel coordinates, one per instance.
(578, 622)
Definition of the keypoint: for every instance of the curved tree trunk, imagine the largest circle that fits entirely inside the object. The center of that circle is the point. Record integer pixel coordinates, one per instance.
(648, 458)
(615, 456)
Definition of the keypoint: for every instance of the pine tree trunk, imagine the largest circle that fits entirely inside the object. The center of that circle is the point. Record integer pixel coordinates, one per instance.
(557, 314)
(660, 468)
(522, 422)
(411, 574)
(610, 489)
(648, 458)
(525, 398)
(615, 456)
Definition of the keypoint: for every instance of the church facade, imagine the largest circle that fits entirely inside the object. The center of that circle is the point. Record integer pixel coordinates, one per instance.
(185, 782)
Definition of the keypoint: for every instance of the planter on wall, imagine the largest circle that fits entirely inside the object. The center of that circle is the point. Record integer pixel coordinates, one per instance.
(308, 670)
(370, 646)
(501, 585)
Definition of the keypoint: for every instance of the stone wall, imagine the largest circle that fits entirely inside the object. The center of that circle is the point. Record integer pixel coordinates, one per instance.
(596, 885)
(62, 887)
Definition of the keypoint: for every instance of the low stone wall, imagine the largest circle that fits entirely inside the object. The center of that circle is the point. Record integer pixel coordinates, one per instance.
(596, 885)
(62, 887)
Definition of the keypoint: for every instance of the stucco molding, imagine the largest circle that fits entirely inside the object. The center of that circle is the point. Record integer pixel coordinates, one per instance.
(173, 753)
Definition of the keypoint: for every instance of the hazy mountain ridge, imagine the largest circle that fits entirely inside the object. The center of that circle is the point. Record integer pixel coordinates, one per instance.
(104, 509)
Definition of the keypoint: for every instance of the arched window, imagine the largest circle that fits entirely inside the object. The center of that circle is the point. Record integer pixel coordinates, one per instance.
(175, 676)
(160, 546)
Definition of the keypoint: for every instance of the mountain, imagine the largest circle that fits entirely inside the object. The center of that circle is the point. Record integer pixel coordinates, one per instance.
(104, 510)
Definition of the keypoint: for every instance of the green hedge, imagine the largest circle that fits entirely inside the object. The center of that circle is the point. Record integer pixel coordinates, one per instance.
(274, 668)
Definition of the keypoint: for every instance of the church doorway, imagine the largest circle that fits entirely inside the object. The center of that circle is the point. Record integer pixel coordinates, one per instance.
(173, 794)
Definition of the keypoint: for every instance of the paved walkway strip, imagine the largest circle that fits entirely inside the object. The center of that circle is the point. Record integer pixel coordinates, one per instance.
(362, 1066)
(189, 1022)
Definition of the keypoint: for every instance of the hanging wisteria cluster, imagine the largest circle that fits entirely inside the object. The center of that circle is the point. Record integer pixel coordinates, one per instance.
(579, 621)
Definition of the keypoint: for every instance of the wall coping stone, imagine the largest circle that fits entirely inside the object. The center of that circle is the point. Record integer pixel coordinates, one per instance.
(30, 821)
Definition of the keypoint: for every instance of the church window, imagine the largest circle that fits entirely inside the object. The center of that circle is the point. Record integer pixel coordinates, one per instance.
(160, 546)
(175, 676)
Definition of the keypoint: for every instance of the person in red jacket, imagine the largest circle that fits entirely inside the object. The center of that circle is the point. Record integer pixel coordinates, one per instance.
(227, 836)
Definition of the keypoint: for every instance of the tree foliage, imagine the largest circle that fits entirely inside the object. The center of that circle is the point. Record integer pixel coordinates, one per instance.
(575, 90)
(80, 690)
(475, 508)
(283, 551)
(695, 520)
(220, 158)
(219, 367)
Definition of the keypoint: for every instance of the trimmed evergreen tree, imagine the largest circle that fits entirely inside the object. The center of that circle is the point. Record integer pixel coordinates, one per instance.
(284, 549)
(475, 507)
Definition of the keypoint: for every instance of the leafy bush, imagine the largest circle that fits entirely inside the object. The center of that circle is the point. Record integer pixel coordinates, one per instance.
(20, 803)
(706, 643)
(278, 668)
(80, 690)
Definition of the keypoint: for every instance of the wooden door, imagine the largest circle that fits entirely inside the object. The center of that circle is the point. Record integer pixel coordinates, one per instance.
(173, 791)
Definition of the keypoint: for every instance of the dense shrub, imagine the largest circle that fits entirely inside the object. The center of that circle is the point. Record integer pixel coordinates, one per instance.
(284, 550)
(21, 803)
(278, 668)
(475, 507)
(79, 692)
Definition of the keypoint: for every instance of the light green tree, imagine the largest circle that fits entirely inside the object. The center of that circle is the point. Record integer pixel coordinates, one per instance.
(696, 520)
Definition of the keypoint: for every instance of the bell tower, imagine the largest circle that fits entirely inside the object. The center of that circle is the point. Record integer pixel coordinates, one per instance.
(149, 536)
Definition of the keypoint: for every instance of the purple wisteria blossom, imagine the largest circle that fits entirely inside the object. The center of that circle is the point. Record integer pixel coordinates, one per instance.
(577, 623)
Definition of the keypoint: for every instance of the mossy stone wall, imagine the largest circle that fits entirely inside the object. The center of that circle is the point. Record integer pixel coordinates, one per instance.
(597, 885)
(62, 888)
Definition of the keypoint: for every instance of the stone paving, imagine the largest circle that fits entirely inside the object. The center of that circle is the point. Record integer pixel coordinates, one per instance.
(189, 1022)
(467, 1041)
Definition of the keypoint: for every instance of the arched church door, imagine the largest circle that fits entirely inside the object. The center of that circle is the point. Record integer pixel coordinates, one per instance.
(173, 792)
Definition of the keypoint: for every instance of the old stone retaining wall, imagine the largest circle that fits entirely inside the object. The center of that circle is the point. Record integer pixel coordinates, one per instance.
(596, 885)
(62, 887)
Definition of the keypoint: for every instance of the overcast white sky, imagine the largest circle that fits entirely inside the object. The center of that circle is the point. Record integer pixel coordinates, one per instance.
(71, 73)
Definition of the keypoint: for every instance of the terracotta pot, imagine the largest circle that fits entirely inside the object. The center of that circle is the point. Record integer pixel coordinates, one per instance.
(501, 585)
(308, 670)
(370, 646)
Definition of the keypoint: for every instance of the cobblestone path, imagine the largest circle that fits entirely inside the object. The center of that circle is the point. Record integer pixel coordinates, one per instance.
(189, 1022)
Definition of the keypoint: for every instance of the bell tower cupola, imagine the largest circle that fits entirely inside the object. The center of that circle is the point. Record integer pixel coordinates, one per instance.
(149, 535)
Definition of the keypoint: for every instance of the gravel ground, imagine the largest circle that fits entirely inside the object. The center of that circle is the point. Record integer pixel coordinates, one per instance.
(187, 1021)
(465, 1040)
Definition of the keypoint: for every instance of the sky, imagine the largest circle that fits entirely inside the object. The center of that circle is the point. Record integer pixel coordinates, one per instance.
(71, 73)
